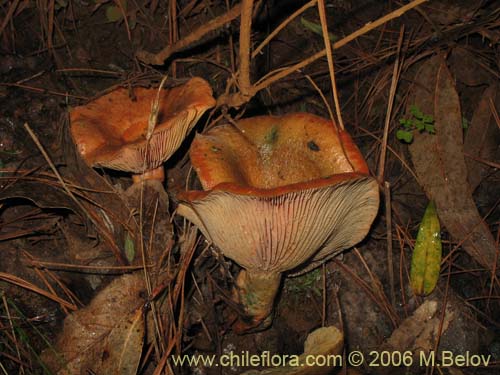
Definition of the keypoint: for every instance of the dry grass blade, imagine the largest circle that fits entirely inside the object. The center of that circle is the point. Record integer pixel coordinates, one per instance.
(329, 55)
(13, 332)
(275, 32)
(12, 279)
(388, 117)
(8, 16)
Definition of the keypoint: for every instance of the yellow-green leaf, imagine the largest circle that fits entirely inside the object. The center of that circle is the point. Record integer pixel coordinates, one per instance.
(426, 260)
(316, 28)
(114, 13)
(129, 247)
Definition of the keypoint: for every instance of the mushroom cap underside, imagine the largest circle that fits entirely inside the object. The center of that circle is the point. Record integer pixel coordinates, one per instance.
(111, 130)
(280, 233)
(268, 152)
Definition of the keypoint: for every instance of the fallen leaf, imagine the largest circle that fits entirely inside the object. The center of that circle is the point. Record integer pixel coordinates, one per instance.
(439, 161)
(124, 345)
(465, 67)
(426, 259)
(325, 342)
(483, 137)
(107, 336)
(45, 194)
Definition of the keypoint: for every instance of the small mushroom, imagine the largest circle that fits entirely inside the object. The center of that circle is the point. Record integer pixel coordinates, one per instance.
(114, 132)
(281, 195)
(111, 131)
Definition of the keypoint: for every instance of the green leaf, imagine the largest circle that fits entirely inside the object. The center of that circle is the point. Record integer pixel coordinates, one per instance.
(113, 13)
(419, 125)
(316, 28)
(404, 135)
(407, 123)
(426, 259)
(129, 247)
(465, 123)
(428, 119)
(416, 112)
(430, 129)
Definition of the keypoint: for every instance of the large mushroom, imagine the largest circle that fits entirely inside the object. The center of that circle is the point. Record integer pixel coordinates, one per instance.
(111, 131)
(281, 195)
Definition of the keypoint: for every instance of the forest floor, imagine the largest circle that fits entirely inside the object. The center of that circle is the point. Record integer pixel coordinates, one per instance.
(111, 283)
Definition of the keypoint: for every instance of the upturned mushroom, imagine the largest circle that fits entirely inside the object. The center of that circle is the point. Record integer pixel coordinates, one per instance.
(112, 131)
(281, 195)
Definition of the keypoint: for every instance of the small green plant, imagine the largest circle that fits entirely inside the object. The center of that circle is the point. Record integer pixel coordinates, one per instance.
(417, 121)
(465, 123)
(307, 284)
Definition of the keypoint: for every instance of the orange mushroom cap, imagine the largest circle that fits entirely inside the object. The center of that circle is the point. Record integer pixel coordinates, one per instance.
(280, 190)
(111, 130)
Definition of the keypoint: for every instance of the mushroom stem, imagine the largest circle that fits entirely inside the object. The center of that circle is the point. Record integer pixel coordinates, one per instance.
(152, 174)
(255, 291)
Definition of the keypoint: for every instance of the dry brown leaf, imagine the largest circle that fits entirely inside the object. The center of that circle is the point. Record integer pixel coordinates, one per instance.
(124, 345)
(43, 195)
(419, 331)
(440, 165)
(483, 137)
(466, 68)
(107, 336)
(324, 342)
(454, 330)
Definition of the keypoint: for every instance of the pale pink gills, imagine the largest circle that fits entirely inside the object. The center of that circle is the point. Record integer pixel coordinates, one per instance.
(111, 131)
(283, 194)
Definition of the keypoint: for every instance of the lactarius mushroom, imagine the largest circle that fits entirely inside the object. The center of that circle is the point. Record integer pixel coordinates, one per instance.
(111, 131)
(281, 195)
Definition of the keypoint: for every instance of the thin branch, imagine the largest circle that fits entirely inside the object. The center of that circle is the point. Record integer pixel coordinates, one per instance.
(388, 224)
(160, 57)
(294, 15)
(329, 55)
(244, 48)
(392, 94)
(8, 17)
(368, 27)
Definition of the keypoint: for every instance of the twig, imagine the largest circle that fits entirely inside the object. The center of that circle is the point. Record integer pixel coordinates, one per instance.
(9, 14)
(50, 26)
(481, 160)
(173, 31)
(392, 94)
(329, 56)
(29, 286)
(322, 96)
(244, 48)
(324, 287)
(237, 99)
(124, 15)
(388, 224)
(43, 91)
(160, 57)
(282, 25)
